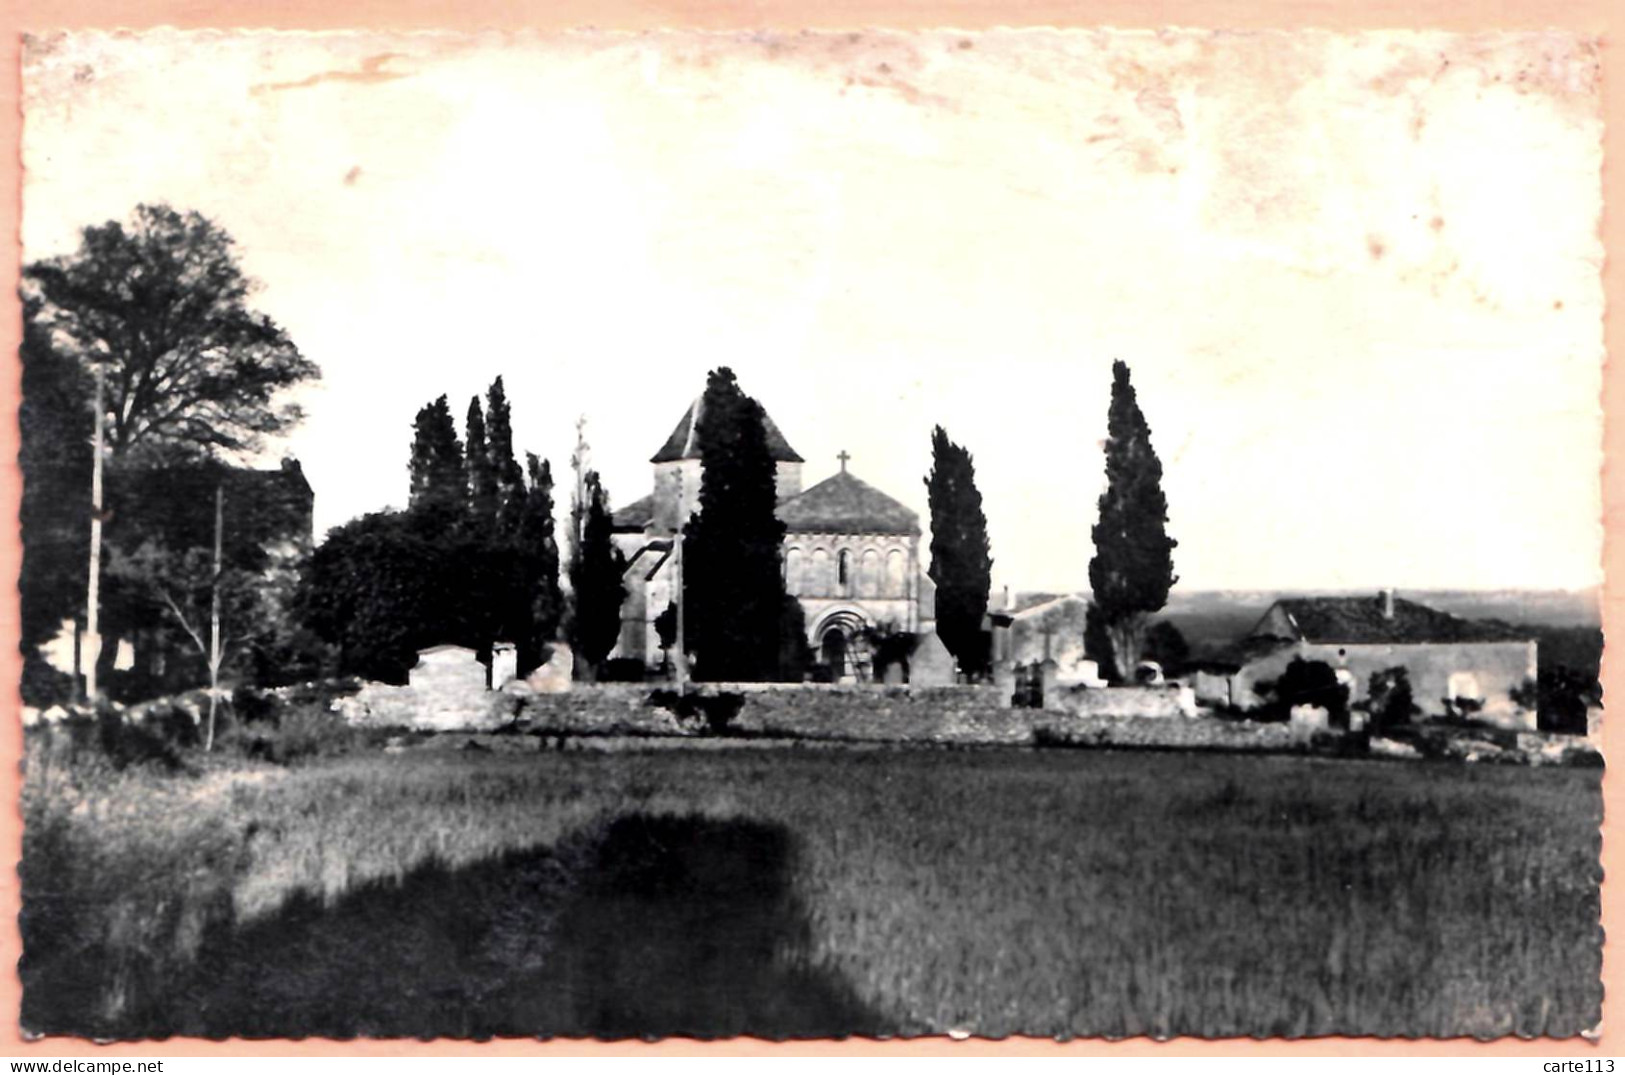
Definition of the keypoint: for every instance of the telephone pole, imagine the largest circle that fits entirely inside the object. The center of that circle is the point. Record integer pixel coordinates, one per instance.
(578, 506)
(215, 649)
(93, 589)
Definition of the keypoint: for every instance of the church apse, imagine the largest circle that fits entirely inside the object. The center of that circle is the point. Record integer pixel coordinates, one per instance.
(850, 555)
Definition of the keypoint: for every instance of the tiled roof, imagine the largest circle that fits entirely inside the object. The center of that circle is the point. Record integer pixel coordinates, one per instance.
(636, 515)
(842, 504)
(647, 561)
(1238, 654)
(1363, 620)
(682, 443)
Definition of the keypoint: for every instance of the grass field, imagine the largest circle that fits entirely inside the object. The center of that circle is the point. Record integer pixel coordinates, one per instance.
(801, 892)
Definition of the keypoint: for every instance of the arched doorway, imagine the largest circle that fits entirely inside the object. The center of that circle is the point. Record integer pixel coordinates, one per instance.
(832, 650)
(838, 636)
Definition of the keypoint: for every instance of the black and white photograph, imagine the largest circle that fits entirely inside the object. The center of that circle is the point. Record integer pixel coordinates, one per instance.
(810, 534)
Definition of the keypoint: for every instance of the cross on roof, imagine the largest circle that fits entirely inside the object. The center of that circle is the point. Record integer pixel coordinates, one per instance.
(843, 457)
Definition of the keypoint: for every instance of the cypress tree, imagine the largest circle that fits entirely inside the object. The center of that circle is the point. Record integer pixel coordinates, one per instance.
(482, 485)
(508, 478)
(1133, 567)
(733, 584)
(535, 617)
(961, 566)
(439, 484)
(596, 579)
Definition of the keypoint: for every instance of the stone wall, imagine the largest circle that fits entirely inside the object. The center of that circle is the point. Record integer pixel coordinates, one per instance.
(955, 714)
(958, 715)
(1164, 701)
(385, 705)
(1204, 733)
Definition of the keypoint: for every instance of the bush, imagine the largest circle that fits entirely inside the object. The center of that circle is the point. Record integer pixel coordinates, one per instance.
(254, 707)
(1313, 683)
(1391, 704)
(42, 685)
(302, 733)
(716, 710)
(1560, 698)
(1463, 708)
(126, 743)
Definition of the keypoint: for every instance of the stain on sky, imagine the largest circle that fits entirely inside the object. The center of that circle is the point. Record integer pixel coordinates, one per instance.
(371, 70)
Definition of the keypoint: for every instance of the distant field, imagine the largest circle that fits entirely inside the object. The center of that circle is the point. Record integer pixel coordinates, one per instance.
(1566, 623)
(805, 892)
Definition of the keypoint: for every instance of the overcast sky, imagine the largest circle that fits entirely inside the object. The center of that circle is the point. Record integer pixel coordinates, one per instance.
(1356, 278)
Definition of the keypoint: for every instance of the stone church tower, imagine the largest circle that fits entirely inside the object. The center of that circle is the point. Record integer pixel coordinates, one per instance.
(851, 554)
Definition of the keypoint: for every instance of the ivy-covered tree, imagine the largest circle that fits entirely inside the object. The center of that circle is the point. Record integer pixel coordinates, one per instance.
(1133, 568)
(733, 585)
(596, 578)
(961, 564)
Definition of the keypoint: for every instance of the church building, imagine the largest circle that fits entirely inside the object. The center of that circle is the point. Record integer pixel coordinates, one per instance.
(851, 554)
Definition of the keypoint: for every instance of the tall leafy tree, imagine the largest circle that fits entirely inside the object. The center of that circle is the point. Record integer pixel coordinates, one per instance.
(439, 483)
(961, 564)
(508, 478)
(733, 585)
(596, 578)
(482, 480)
(1133, 567)
(371, 590)
(162, 305)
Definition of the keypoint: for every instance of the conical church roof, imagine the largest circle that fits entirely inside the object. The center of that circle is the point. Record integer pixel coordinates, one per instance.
(842, 504)
(683, 445)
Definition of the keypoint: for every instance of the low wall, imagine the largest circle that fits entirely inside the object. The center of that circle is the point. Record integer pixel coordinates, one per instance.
(1156, 702)
(386, 705)
(803, 711)
(1203, 733)
(935, 714)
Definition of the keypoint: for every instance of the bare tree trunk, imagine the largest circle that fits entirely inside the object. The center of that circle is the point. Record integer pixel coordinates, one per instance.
(1128, 638)
(214, 619)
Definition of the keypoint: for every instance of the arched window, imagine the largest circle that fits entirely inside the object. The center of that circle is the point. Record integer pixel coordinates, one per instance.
(843, 570)
(896, 574)
(869, 582)
(818, 580)
(792, 572)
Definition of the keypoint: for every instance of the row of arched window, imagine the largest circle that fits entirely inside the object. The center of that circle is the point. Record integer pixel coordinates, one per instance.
(846, 573)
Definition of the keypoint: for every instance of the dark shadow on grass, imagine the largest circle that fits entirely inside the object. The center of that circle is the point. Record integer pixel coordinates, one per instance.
(659, 926)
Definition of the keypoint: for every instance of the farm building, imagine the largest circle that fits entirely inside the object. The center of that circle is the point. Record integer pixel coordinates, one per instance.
(1449, 659)
(1049, 628)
